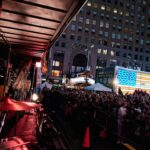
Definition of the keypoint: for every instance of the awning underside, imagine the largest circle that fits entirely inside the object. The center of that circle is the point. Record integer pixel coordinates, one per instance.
(31, 26)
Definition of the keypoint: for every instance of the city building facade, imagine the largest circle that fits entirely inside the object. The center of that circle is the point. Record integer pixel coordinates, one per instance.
(104, 33)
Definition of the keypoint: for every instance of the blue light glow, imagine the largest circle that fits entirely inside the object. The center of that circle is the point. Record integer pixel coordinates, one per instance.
(126, 77)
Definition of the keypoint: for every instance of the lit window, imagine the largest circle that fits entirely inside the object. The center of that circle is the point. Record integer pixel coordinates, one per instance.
(89, 4)
(105, 51)
(99, 51)
(87, 21)
(112, 44)
(101, 24)
(102, 7)
(115, 11)
(112, 53)
(56, 63)
(56, 73)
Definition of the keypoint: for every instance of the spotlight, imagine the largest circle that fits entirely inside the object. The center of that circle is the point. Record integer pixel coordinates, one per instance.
(35, 97)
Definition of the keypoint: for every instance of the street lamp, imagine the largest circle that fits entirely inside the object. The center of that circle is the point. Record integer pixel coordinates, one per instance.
(87, 65)
(88, 56)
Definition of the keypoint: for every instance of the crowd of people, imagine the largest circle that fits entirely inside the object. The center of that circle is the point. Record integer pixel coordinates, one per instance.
(130, 113)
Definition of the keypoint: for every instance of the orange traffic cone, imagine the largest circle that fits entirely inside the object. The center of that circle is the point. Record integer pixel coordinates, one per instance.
(86, 140)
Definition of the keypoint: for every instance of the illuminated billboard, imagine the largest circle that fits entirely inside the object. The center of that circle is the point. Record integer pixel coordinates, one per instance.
(130, 80)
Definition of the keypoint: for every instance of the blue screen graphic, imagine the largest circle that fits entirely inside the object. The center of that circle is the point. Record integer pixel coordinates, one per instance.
(126, 77)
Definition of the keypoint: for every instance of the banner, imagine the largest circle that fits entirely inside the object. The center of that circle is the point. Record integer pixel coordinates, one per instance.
(44, 67)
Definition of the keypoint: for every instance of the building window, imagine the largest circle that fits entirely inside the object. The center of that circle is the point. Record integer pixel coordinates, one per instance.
(74, 18)
(117, 53)
(127, 14)
(80, 19)
(114, 27)
(89, 4)
(107, 17)
(94, 13)
(136, 57)
(141, 41)
(108, 8)
(113, 44)
(79, 38)
(73, 27)
(147, 59)
(105, 51)
(141, 57)
(87, 21)
(56, 73)
(147, 42)
(56, 63)
(93, 41)
(63, 44)
(63, 35)
(80, 29)
(107, 25)
(57, 44)
(86, 30)
(115, 11)
(118, 45)
(95, 5)
(114, 18)
(101, 24)
(72, 37)
(105, 42)
(118, 36)
(130, 38)
(99, 51)
(93, 31)
(88, 12)
(112, 53)
(94, 22)
(113, 35)
(102, 7)
(106, 34)
(124, 55)
(101, 33)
